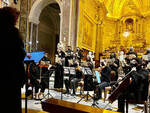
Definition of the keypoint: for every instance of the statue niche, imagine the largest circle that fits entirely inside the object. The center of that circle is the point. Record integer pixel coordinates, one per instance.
(129, 25)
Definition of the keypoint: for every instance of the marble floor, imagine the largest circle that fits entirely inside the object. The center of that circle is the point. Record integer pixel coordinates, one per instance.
(36, 105)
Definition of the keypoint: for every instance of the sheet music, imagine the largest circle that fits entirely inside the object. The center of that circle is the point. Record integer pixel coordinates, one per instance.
(72, 71)
(86, 71)
(66, 70)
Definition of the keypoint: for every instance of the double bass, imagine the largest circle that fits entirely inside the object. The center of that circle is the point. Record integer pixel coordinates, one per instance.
(125, 82)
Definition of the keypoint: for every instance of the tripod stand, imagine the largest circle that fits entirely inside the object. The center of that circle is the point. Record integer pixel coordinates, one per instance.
(94, 104)
(48, 93)
(88, 82)
(87, 95)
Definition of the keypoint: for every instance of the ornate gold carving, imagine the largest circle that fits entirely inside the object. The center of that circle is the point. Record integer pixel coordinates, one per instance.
(88, 33)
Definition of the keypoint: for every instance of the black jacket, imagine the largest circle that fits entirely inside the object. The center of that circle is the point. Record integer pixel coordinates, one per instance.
(106, 74)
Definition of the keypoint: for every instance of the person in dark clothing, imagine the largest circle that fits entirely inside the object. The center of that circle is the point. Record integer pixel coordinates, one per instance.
(71, 75)
(148, 55)
(138, 87)
(44, 82)
(39, 78)
(35, 78)
(69, 56)
(61, 56)
(114, 65)
(59, 76)
(78, 55)
(13, 54)
(45, 59)
(105, 80)
(76, 79)
(131, 53)
(73, 80)
(90, 58)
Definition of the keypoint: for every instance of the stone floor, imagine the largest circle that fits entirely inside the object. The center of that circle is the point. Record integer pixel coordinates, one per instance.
(36, 105)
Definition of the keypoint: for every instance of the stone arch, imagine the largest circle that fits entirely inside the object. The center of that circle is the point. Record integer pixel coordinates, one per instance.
(36, 43)
(37, 8)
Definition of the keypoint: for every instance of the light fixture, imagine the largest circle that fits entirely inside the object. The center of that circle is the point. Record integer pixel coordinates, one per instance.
(30, 42)
(126, 34)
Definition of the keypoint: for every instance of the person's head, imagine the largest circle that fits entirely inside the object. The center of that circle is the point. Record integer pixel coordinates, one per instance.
(46, 55)
(112, 55)
(108, 62)
(136, 62)
(131, 49)
(102, 64)
(148, 51)
(121, 53)
(77, 49)
(69, 47)
(9, 16)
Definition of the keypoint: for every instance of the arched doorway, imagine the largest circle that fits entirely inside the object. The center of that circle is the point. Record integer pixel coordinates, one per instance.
(49, 30)
(44, 27)
(54, 17)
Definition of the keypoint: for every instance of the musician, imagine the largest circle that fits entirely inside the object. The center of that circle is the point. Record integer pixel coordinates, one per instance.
(60, 56)
(78, 55)
(90, 61)
(45, 59)
(148, 54)
(114, 65)
(76, 79)
(131, 53)
(73, 80)
(105, 78)
(138, 87)
(44, 79)
(59, 75)
(39, 78)
(35, 78)
(60, 46)
(69, 56)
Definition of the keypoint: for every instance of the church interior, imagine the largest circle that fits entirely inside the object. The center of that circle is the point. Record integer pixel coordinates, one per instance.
(98, 26)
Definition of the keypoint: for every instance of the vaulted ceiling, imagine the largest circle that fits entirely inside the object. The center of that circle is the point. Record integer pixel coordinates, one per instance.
(119, 8)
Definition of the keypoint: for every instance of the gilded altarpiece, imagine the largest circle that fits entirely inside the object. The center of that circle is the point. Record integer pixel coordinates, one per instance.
(109, 43)
(147, 33)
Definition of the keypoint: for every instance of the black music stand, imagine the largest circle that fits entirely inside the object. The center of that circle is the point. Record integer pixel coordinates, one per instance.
(48, 93)
(35, 57)
(66, 72)
(69, 72)
(98, 81)
(88, 82)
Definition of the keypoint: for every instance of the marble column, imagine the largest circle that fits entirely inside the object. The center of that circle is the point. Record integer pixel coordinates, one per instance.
(33, 39)
(31, 35)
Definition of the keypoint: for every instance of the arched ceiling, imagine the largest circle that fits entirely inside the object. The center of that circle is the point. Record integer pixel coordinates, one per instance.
(119, 8)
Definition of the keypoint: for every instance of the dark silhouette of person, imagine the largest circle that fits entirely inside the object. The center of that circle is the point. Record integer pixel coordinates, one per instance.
(132, 52)
(114, 65)
(13, 75)
(138, 88)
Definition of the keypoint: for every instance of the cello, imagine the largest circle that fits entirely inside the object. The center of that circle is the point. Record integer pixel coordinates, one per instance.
(121, 87)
